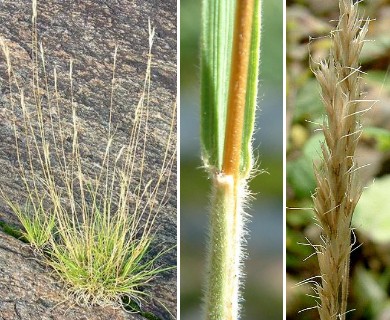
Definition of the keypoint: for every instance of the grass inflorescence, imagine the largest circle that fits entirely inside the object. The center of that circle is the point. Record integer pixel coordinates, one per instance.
(95, 224)
(338, 185)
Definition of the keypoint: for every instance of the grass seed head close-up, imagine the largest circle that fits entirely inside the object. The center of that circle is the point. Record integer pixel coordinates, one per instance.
(337, 156)
(93, 201)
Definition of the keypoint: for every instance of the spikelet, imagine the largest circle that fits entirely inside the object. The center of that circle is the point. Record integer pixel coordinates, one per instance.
(338, 186)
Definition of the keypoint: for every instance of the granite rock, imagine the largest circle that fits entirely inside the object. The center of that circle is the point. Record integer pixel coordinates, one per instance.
(87, 32)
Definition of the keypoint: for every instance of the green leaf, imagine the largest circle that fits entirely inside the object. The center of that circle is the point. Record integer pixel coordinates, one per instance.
(300, 214)
(381, 136)
(251, 94)
(375, 48)
(300, 177)
(297, 251)
(300, 174)
(372, 212)
(369, 292)
(378, 79)
(308, 103)
(216, 47)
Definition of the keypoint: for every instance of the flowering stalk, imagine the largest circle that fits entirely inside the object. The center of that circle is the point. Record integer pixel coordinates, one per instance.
(338, 186)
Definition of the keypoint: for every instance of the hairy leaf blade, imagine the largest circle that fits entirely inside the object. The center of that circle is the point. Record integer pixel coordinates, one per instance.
(216, 47)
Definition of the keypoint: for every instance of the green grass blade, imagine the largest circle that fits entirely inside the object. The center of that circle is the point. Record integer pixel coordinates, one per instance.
(216, 47)
(251, 93)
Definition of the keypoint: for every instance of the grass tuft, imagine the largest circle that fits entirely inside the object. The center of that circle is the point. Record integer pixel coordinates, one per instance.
(12, 231)
(38, 226)
(95, 224)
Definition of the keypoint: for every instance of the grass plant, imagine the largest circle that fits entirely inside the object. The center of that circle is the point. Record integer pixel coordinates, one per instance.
(38, 226)
(338, 185)
(230, 60)
(95, 223)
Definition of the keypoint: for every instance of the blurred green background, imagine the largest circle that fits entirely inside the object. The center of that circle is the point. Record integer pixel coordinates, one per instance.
(263, 287)
(370, 260)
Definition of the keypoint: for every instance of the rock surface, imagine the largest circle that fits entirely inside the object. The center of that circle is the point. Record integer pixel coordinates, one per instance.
(87, 32)
(28, 291)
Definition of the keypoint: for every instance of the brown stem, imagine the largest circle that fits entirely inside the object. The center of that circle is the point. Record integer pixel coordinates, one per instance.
(237, 87)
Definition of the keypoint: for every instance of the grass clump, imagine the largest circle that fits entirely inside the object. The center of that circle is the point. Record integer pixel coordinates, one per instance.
(103, 267)
(38, 226)
(94, 222)
(12, 231)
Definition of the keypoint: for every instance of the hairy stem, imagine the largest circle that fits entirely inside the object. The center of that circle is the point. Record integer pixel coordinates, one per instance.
(225, 251)
(230, 57)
